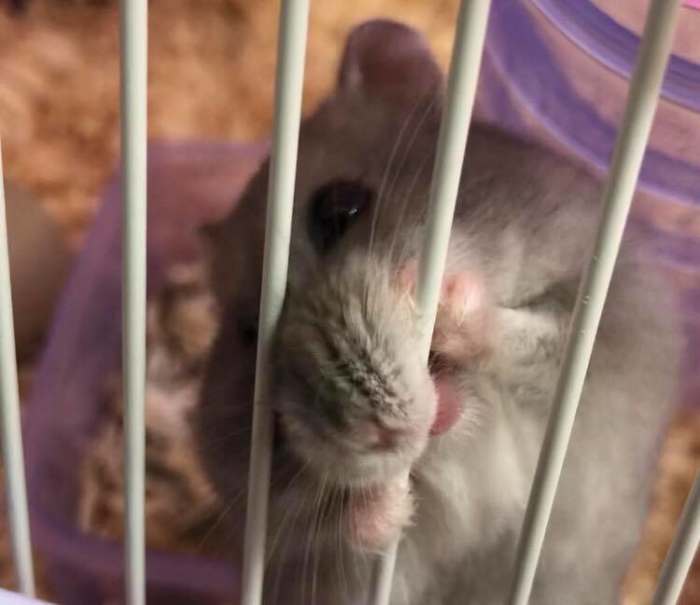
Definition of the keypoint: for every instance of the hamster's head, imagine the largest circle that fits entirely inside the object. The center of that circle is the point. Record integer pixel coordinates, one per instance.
(354, 402)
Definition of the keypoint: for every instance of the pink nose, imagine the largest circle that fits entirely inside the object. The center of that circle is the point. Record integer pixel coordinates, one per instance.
(375, 436)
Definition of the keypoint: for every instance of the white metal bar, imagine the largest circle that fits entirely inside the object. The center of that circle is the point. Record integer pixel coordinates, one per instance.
(12, 598)
(680, 555)
(134, 56)
(617, 198)
(291, 50)
(11, 426)
(461, 89)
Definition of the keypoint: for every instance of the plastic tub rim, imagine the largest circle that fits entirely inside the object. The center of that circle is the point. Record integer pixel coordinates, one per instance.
(615, 47)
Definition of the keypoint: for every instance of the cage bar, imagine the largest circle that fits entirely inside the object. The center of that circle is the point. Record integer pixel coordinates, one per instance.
(461, 90)
(680, 555)
(617, 197)
(11, 425)
(291, 49)
(134, 55)
(12, 598)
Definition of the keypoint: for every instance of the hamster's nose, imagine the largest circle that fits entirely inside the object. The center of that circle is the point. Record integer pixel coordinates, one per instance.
(376, 436)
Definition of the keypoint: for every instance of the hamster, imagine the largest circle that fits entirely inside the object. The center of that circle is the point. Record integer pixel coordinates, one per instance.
(354, 404)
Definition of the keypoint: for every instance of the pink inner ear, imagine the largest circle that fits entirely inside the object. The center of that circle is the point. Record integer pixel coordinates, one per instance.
(388, 60)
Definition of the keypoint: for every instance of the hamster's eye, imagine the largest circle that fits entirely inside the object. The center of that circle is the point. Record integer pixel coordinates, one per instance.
(248, 330)
(334, 207)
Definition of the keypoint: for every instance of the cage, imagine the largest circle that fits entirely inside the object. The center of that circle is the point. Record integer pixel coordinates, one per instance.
(556, 71)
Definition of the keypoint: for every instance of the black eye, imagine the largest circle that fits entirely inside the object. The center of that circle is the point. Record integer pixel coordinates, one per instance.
(248, 330)
(333, 209)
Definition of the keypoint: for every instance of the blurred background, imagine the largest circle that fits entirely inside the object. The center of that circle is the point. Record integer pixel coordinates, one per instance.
(211, 77)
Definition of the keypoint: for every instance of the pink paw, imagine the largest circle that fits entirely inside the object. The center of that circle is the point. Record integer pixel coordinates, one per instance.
(462, 324)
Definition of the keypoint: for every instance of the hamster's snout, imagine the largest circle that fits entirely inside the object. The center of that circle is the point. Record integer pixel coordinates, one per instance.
(353, 392)
(376, 436)
(357, 403)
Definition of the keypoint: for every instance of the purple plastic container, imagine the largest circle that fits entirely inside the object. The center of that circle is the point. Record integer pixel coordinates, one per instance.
(188, 184)
(553, 69)
(558, 71)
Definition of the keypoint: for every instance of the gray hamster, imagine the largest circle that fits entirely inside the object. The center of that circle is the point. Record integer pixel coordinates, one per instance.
(355, 407)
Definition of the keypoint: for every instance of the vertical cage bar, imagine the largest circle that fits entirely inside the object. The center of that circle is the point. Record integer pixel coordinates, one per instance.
(680, 555)
(13, 598)
(134, 56)
(617, 198)
(291, 50)
(11, 426)
(461, 90)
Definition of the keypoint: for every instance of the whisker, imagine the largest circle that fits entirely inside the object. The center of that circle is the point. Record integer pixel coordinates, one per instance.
(285, 549)
(402, 213)
(409, 146)
(316, 532)
(382, 186)
(220, 517)
(278, 534)
(338, 546)
(307, 549)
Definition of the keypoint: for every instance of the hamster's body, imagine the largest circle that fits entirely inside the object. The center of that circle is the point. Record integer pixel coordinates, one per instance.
(355, 407)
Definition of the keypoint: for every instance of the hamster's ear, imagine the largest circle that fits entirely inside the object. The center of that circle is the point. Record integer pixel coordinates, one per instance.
(387, 60)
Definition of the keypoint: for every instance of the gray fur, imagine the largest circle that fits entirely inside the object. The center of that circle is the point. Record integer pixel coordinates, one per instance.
(346, 353)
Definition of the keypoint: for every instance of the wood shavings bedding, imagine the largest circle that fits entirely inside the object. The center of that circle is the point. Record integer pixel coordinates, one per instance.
(180, 506)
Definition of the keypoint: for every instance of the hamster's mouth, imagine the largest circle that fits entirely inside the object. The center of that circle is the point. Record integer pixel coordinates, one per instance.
(374, 515)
